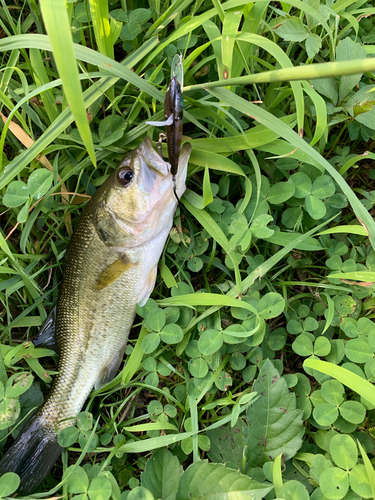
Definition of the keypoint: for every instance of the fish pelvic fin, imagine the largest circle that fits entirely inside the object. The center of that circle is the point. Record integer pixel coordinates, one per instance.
(109, 372)
(113, 272)
(32, 455)
(148, 287)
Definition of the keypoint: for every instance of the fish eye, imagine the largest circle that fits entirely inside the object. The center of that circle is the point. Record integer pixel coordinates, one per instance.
(125, 176)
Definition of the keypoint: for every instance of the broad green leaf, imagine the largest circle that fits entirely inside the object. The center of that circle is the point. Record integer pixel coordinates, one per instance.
(348, 50)
(150, 342)
(358, 350)
(172, 334)
(9, 412)
(303, 345)
(18, 384)
(77, 479)
(111, 129)
(200, 480)
(198, 367)
(315, 207)
(210, 341)
(323, 187)
(162, 474)
(325, 414)
(322, 346)
(237, 361)
(293, 490)
(334, 483)
(280, 192)
(343, 451)
(318, 464)
(259, 226)
(283, 239)
(195, 264)
(292, 30)
(156, 319)
(68, 436)
(302, 184)
(9, 482)
(23, 213)
(86, 439)
(313, 45)
(84, 421)
(100, 489)
(353, 411)
(16, 195)
(228, 444)
(39, 183)
(274, 412)
(333, 391)
(140, 493)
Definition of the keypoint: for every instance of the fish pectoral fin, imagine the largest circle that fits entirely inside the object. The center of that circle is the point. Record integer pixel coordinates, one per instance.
(109, 372)
(47, 334)
(113, 272)
(149, 286)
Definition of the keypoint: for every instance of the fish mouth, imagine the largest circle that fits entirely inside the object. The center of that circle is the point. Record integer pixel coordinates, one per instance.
(148, 154)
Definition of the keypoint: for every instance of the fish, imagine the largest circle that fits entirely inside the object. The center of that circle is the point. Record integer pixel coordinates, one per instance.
(111, 265)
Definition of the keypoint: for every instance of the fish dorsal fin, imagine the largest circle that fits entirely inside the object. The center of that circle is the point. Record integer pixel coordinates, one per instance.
(47, 334)
(113, 272)
(109, 372)
(148, 287)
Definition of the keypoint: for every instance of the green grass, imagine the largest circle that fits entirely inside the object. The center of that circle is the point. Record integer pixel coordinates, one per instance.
(274, 259)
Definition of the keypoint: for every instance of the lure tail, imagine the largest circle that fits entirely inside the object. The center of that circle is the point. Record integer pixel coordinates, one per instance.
(32, 455)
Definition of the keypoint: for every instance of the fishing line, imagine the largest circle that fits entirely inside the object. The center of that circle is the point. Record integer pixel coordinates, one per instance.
(175, 190)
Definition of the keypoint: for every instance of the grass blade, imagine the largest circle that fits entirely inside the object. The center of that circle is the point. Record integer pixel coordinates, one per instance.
(66, 117)
(57, 25)
(369, 468)
(346, 377)
(272, 122)
(308, 72)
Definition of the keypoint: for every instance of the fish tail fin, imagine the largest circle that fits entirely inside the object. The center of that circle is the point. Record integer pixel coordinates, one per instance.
(32, 455)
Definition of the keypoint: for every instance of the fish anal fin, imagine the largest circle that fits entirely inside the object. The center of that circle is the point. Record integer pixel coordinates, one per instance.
(110, 371)
(113, 272)
(149, 286)
(47, 334)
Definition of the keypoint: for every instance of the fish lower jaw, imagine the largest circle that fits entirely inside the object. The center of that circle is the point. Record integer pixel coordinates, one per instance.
(152, 242)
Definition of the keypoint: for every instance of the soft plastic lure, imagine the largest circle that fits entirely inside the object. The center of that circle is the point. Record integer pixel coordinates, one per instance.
(173, 113)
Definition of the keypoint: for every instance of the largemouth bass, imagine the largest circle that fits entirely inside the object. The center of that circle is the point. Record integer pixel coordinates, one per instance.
(111, 265)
